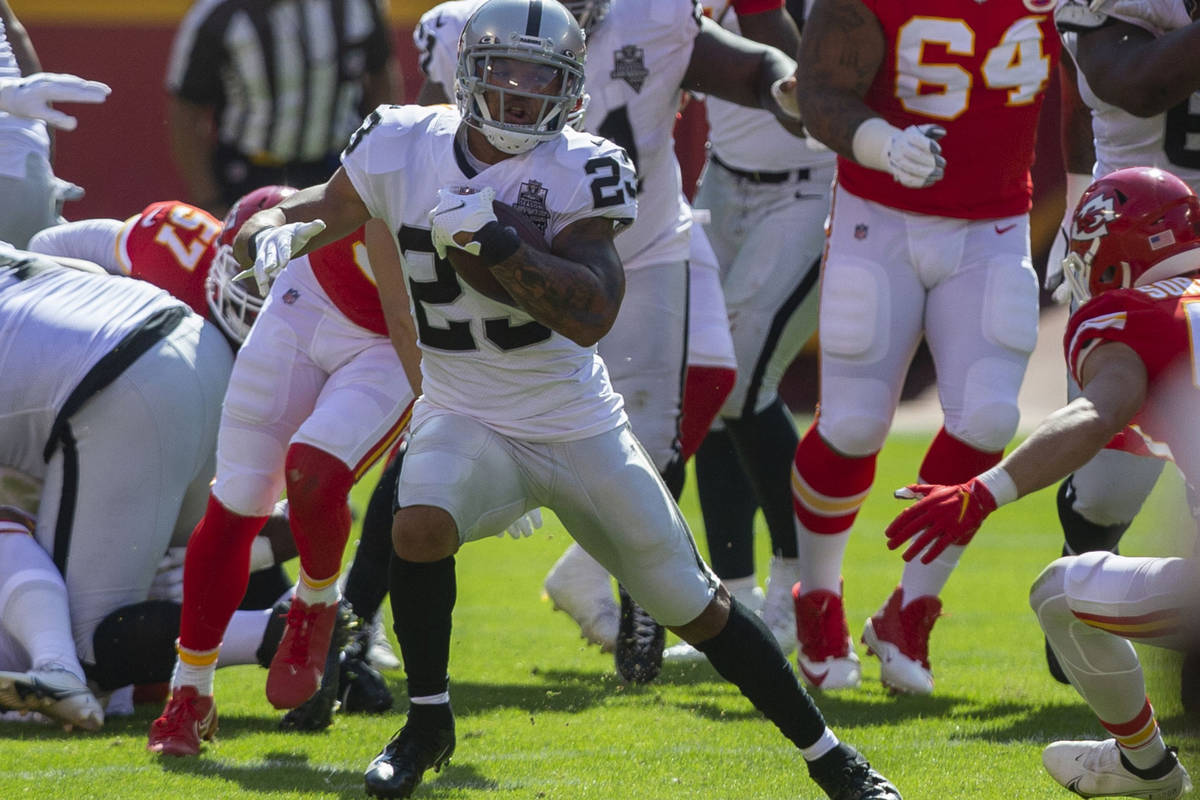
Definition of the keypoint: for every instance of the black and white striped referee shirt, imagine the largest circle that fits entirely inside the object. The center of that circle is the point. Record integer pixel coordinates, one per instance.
(285, 76)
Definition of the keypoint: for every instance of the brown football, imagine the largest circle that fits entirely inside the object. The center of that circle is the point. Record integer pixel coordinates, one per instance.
(471, 268)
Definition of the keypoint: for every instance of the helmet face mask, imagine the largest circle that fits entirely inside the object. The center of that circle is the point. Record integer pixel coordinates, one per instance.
(523, 59)
(1130, 228)
(235, 304)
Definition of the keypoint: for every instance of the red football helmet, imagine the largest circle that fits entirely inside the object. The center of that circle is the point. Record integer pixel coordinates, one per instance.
(235, 304)
(1130, 228)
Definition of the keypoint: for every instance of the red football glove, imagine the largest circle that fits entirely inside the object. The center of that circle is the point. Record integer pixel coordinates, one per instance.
(944, 515)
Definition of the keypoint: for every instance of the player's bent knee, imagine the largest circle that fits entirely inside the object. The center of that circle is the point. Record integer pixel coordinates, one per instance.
(248, 494)
(853, 436)
(423, 534)
(989, 427)
(1050, 584)
(709, 623)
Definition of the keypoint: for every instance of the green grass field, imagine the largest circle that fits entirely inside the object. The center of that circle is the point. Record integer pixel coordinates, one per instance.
(540, 715)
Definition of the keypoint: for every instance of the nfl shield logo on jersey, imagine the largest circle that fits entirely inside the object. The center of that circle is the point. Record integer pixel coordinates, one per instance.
(629, 65)
(860, 231)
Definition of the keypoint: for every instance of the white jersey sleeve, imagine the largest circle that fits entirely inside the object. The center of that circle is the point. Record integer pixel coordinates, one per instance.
(436, 37)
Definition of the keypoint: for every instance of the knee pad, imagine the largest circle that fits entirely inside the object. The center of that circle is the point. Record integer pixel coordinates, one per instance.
(136, 644)
(990, 414)
(1050, 584)
(855, 425)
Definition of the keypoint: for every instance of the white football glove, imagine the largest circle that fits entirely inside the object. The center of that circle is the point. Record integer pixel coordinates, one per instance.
(529, 522)
(912, 156)
(1076, 185)
(460, 209)
(32, 95)
(168, 580)
(273, 248)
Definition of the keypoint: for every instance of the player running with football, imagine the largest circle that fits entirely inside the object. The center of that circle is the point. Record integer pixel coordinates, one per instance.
(518, 410)
(928, 238)
(641, 58)
(1134, 266)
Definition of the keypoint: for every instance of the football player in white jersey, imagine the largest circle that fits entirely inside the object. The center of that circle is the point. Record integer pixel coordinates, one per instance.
(518, 410)
(31, 197)
(641, 57)
(99, 371)
(768, 196)
(1135, 69)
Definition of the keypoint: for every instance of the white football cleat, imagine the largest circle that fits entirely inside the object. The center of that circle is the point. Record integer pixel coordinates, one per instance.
(53, 692)
(578, 585)
(380, 654)
(1095, 769)
(779, 608)
(826, 657)
(899, 638)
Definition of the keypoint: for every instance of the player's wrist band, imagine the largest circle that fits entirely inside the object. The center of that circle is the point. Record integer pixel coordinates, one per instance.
(497, 242)
(872, 138)
(1000, 484)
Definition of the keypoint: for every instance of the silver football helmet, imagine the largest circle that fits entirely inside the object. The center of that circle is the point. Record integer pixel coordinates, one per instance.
(529, 49)
(588, 13)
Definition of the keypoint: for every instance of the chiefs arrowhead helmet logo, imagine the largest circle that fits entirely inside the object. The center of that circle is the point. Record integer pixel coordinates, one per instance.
(1091, 220)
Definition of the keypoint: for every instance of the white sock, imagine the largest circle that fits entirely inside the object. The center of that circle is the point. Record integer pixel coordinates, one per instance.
(920, 580)
(195, 669)
(324, 592)
(827, 742)
(33, 604)
(821, 556)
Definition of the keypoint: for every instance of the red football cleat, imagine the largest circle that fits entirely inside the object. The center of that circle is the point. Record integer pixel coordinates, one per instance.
(299, 661)
(826, 657)
(899, 637)
(188, 718)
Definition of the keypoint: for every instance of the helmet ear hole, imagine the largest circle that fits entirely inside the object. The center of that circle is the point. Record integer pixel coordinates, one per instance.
(1108, 275)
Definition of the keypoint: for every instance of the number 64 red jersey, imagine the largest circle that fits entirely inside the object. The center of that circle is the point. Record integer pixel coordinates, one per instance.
(978, 69)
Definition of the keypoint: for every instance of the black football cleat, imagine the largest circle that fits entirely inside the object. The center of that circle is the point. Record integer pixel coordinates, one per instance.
(398, 770)
(844, 774)
(640, 641)
(316, 713)
(362, 689)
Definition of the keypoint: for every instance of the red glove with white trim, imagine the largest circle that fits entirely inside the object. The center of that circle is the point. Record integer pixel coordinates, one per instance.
(942, 516)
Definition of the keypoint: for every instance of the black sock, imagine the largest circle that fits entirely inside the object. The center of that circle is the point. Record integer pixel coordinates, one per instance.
(423, 596)
(1168, 762)
(728, 505)
(746, 654)
(438, 715)
(367, 581)
(766, 446)
(1080, 534)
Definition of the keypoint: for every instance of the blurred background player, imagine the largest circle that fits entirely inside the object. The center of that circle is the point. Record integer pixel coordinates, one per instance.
(31, 197)
(1132, 265)
(768, 196)
(926, 239)
(639, 60)
(267, 93)
(317, 395)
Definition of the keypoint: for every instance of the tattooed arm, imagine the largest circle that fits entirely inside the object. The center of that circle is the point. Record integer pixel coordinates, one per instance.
(841, 49)
(575, 289)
